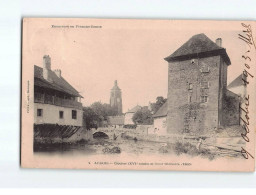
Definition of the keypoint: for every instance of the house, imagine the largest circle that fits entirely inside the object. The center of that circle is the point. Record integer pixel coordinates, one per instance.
(57, 105)
(116, 121)
(129, 114)
(160, 120)
(238, 87)
(198, 98)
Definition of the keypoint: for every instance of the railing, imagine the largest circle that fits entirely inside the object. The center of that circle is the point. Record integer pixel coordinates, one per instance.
(49, 99)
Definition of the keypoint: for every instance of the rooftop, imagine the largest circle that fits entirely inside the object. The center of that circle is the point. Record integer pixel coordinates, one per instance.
(57, 83)
(237, 82)
(116, 120)
(134, 109)
(198, 46)
(115, 86)
(162, 111)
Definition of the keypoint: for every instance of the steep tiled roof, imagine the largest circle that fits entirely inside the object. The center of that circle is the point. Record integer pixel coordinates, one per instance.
(57, 83)
(198, 46)
(237, 82)
(162, 111)
(134, 109)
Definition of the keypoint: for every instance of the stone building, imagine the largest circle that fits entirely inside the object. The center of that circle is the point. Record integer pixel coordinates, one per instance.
(116, 98)
(58, 110)
(198, 99)
(238, 87)
(116, 121)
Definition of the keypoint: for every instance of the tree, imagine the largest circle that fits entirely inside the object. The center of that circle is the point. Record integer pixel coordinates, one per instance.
(159, 102)
(143, 117)
(97, 113)
(90, 118)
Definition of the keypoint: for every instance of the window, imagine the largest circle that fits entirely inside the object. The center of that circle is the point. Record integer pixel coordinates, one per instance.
(39, 112)
(189, 99)
(204, 99)
(205, 84)
(205, 69)
(61, 114)
(74, 114)
(190, 86)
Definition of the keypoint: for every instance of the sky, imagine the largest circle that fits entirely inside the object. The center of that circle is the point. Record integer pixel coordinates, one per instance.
(129, 51)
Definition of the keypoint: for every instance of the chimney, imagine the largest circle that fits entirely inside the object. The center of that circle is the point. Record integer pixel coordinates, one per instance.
(219, 42)
(115, 82)
(46, 67)
(58, 72)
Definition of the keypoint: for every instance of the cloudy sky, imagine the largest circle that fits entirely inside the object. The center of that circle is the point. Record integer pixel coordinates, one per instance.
(130, 51)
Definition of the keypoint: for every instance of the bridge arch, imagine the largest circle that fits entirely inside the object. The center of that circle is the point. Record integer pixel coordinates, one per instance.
(100, 135)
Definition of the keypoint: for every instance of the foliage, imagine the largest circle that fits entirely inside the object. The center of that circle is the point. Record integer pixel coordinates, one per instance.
(159, 102)
(190, 149)
(94, 115)
(90, 118)
(143, 117)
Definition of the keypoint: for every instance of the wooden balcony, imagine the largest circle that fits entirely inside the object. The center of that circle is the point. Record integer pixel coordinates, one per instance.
(53, 100)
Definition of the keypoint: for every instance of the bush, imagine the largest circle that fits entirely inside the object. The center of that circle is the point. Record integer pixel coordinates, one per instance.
(190, 149)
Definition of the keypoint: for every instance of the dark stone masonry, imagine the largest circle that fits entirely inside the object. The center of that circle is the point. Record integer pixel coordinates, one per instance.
(198, 99)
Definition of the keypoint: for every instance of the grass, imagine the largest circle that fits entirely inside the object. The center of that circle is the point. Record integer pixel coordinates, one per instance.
(190, 149)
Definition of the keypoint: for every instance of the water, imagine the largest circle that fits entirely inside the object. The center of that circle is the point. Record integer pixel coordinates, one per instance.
(101, 146)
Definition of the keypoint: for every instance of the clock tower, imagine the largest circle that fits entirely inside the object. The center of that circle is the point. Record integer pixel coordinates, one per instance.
(116, 98)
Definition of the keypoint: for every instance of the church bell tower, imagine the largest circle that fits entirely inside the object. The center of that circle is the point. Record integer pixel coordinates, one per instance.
(116, 98)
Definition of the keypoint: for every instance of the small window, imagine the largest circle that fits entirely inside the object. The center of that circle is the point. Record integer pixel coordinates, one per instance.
(74, 114)
(190, 86)
(61, 114)
(39, 112)
(205, 69)
(189, 99)
(204, 99)
(205, 84)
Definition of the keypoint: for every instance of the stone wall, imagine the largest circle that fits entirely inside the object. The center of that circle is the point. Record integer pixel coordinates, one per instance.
(186, 113)
(231, 110)
(160, 126)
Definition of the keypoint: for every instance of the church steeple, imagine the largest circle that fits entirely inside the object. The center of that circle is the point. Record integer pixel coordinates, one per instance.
(116, 98)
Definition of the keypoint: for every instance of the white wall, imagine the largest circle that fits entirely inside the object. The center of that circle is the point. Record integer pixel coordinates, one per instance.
(51, 115)
(128, 119)
(160, 126)
(240, 90)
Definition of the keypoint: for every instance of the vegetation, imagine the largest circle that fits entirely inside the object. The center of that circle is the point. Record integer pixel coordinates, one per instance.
(96, 114)
(190, 149)
(143, 117)
(159, 102)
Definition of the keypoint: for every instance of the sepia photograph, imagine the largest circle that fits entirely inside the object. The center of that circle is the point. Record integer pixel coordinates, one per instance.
(138, 94)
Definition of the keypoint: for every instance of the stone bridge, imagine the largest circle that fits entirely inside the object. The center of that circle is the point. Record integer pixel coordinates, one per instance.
(109, 132)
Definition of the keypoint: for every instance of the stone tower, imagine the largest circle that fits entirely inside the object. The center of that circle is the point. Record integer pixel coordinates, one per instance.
(116, 98)
(197, 87)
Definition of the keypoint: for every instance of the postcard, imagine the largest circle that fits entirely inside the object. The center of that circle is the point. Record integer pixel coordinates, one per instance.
(133, 94)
